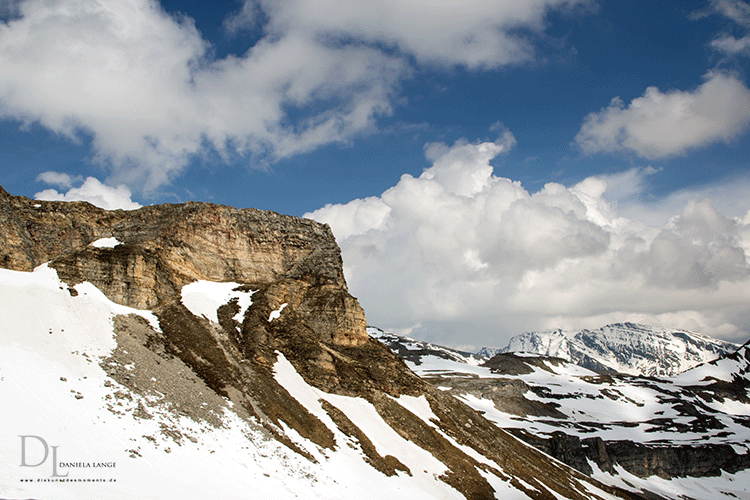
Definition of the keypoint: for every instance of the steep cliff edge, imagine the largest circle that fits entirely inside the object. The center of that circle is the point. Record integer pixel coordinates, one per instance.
(285, 301)
(162, 248)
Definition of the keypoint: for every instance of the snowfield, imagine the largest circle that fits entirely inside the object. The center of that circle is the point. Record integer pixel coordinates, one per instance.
(52, 387)
(73, 432)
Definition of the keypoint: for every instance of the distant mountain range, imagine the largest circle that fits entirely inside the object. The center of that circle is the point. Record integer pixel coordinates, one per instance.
(679, 437)
(622, 347)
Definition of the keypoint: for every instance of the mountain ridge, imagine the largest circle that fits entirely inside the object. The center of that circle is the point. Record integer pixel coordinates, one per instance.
(184, 330)
(629, 348)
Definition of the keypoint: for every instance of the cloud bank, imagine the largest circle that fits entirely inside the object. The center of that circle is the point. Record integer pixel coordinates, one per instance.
(470, 257)
(145, 88)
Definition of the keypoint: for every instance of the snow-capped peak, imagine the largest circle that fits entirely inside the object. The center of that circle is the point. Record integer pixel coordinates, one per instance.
(625, 347)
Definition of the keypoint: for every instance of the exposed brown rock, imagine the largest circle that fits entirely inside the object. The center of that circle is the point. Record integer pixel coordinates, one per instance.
(165, 247)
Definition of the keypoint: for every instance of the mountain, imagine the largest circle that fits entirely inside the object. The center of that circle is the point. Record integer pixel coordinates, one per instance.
(201, 351)
(686, 436)
(412, 351)
(623, 347)
(488, 352)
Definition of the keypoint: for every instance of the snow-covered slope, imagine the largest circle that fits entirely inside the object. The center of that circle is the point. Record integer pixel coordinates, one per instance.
(686, 436)
(56, 351)
(94, 407)
(624, 347)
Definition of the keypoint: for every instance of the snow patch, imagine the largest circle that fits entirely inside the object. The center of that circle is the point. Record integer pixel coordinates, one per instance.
(203, 298)
(277, 313)
(52, 386)
(106, 243)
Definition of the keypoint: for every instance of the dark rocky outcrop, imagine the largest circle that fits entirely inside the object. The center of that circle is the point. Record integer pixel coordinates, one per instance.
(511, 364)
(639, 459)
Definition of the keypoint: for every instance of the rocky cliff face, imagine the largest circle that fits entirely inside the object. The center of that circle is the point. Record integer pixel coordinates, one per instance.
(665, 461)
(300, 312)
(162, 248)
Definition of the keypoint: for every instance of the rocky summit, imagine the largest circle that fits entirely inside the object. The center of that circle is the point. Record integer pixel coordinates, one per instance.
(162, 248)
(207, 351)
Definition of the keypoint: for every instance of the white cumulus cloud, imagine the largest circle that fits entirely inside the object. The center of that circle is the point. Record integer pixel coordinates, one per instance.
(143, 85)
(92, 191)
(59, 179)
(662, 124)
(470, 256)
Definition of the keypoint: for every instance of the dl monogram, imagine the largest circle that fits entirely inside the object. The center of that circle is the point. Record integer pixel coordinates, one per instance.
(24, 463)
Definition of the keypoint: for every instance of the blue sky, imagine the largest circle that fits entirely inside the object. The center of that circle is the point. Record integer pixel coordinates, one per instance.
(318, 108)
